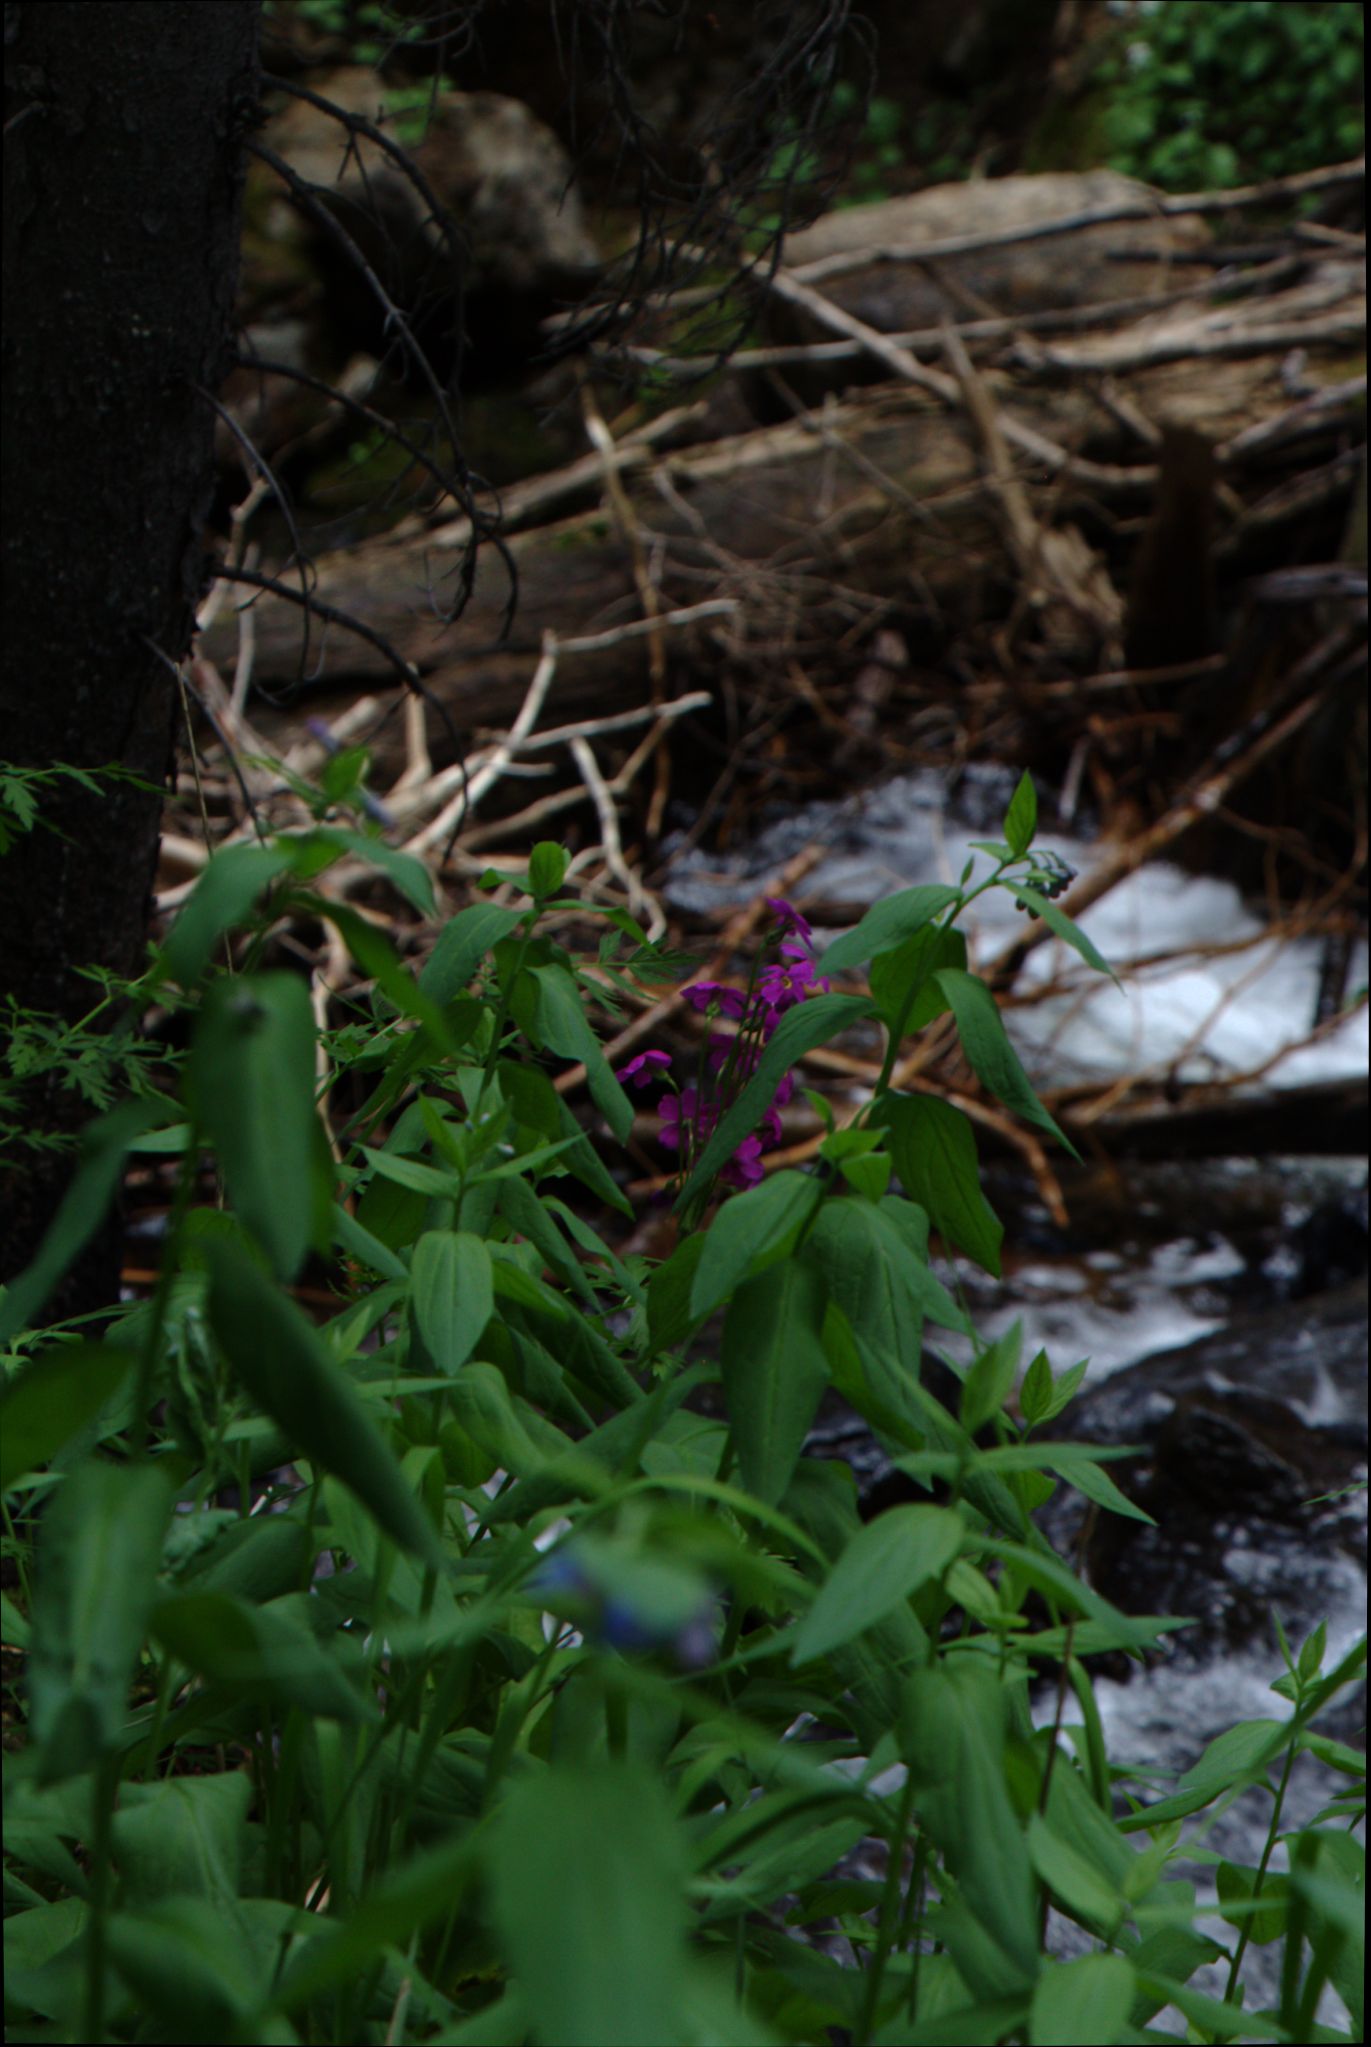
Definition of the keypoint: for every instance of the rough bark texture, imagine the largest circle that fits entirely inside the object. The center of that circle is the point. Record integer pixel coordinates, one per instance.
(124, 131)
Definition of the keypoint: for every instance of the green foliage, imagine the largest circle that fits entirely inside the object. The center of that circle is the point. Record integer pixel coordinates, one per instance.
(1203, 97)
(547, 1681)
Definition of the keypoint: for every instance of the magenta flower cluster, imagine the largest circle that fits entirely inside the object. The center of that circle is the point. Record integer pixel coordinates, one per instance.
(690, 1110)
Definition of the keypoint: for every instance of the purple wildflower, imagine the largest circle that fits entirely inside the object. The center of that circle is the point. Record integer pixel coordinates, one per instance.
(713, 998)
(788, 918)
(787, 981)
(744, 1169)
(647, 1067)
(682, 1117)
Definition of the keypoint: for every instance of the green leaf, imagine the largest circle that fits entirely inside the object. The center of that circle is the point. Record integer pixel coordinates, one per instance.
(262, 1651)
(588, 1897)
(1311, 1655)
(953, 1737)
(452, 1295)
(798, 1032)
(100, 1166)
(376, 956)
(63, 1388)
(99, 1549)
(868, 1175)
(908, 970)
(219, 901)
(547, 866)
(462, 945)
(421, 1889)
(560, 1023)
(987, 1383)
(878, 1272)
(774, 1371)
(1211, 2017)
(182, 1837)
(1035, 1394)
(1058, 921)
(287, 1368)
(1083, 1471)
(670, 1317)
(934, 1152)
(753, 1228)
(1050, 1576)
(1076, 1883)
(886, 924)
(482, 1403)
(883, 1564)
(1085, 2003)
(189, 1966)
(1266, 1921)
(990, 1052)
(440, 1183)
(407, 875)
(1021, 818)
(250, 1084)
(359, 1243)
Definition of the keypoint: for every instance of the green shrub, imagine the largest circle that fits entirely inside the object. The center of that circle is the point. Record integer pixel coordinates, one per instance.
(1203, 96)
(545, 1683)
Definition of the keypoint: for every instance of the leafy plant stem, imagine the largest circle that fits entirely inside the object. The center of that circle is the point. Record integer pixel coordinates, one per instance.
(1273, 1830)
(913, 1904)
(171, 1261)
(890, 1911)
(106, 1790)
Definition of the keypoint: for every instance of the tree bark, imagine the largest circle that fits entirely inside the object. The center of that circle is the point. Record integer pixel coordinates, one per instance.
(124, 132)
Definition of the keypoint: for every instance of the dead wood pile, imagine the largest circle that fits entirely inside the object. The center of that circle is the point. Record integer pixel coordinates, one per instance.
(996, 477)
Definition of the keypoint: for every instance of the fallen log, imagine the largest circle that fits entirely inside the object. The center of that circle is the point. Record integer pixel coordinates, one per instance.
(890, 496)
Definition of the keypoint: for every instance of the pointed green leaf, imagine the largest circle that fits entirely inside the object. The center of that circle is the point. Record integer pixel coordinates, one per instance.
(1035, 1394)
(883, 1564)
(287, 1368)
(406, 874)
(99, 1550)
(1058, 921)
(100, 1164)
(588, 1895)
(1085, 2003)
(907, 972)
(63, 1388)
(452, 1295)
(462, 945)
(1265, 1920)
(1021, 818)
(250, 1083)
(219, 901)
(954, 1739)
(990, 1052)
(547, 866)
(263, 1651)
(565, 1029)
(187, 1965)
(182, 1837)
(988, 1381)
(753, 1227)
(934, 1152)
(887, 924)
(774, 1372)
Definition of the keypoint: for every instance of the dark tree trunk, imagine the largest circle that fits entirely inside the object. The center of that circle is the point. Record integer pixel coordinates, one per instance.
(123, 152)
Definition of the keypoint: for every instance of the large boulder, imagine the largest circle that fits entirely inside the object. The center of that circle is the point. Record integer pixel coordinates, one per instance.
(521, 245)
